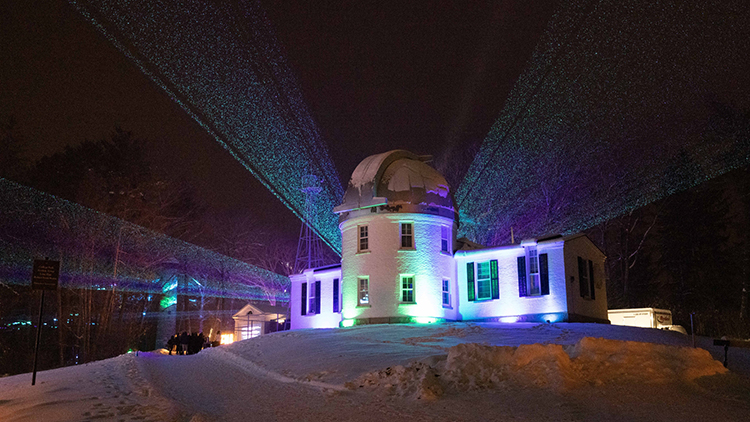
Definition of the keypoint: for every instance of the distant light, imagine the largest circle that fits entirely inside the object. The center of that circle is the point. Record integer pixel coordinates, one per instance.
(347, 323)
(509, 319)
(227, 338)
(130, 350)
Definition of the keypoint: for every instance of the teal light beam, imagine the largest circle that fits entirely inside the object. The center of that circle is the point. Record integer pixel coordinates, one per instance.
(621, 104)
(221, 62)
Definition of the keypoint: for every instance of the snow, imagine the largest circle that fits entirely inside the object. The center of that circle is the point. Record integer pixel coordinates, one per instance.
(450, 371)
(410, 174)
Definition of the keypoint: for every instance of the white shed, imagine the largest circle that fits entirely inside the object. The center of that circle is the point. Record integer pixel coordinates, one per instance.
(256, 319)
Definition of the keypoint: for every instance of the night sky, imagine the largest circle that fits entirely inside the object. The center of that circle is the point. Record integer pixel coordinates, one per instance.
(426, 76)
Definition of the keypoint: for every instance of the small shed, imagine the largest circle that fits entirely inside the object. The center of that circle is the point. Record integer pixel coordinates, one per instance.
(255, 319)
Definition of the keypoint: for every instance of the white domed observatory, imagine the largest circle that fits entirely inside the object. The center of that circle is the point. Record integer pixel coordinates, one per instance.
(401, 262)
(398, 226)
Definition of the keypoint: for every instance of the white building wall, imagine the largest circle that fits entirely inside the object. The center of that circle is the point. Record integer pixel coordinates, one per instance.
(385, 262)
(583, 309)
(510, 307)
(326, 318)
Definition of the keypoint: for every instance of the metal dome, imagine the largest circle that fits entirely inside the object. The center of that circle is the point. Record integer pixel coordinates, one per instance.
(394, 178)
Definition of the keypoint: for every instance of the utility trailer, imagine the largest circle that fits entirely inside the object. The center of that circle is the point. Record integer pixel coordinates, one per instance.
(643, 317)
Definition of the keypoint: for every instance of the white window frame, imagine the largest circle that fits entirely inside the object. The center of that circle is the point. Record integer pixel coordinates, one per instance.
(406, 290)
(363, 291)
(403, 235)
(363, 236)
(446, 293)
(311, 299)
(533, 280)
(445, 243)
(487, 280)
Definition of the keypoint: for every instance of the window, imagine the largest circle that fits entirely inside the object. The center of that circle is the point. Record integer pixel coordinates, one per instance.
(535, 288)
(363, 243)
(444, 239)
(483, 280)
(533, 273)
(314, 299)
(407, 236)
(407, 288)
(336, 295)
(586, 278)
(486, 284)
(446, 294)
(364, 290)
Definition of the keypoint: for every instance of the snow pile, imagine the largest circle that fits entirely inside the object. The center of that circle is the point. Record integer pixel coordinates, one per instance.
(603, 361)
(591, 361)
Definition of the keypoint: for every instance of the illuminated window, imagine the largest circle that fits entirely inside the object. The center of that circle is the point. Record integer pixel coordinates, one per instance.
(407, 288)
(314, 299)
(363, 244)
(407, 236)
(533, 273)
(446, 293)
(444, 239)
(364, 290)
(534, 284)
(482, 280)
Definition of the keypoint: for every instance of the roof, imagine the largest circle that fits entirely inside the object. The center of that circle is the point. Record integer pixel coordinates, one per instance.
(261, 309)
(395, 177)
(470, 248)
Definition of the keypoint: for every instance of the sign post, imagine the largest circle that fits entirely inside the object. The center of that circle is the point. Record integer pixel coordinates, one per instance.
(44, 276)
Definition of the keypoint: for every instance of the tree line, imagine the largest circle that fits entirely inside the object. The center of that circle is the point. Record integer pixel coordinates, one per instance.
(689, 253)
(104, 312)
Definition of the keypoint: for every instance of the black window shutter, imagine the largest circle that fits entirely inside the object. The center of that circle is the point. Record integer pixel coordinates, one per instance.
(522, 276)
(591, 280)
(336, 295)
(493, 280)
(544, 273)
(303, 295)
(582, 277)
(317, 297)
(470, 280)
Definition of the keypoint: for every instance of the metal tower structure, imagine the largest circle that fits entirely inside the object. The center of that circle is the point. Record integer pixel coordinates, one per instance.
(309, 247)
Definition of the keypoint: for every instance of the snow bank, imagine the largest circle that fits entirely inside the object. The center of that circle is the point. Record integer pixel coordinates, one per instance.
(591, 361)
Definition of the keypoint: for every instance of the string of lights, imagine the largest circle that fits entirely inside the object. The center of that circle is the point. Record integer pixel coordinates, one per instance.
(221, 63)
(622, 103)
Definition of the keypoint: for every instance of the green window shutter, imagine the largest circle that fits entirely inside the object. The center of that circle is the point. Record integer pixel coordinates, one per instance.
(544, 273)
(303, 296)
(470, 280)
(591, 279)
(493, 280)
(522, 276)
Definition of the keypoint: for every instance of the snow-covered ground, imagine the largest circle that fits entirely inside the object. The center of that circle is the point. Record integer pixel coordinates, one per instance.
(452, 371)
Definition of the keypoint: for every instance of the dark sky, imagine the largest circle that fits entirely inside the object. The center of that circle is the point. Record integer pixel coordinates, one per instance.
(430, 77)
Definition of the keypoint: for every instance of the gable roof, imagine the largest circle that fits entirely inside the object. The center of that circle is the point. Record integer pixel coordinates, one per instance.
(261, 309)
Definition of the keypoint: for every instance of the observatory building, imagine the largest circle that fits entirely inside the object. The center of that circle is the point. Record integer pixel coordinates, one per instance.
(401, 261)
